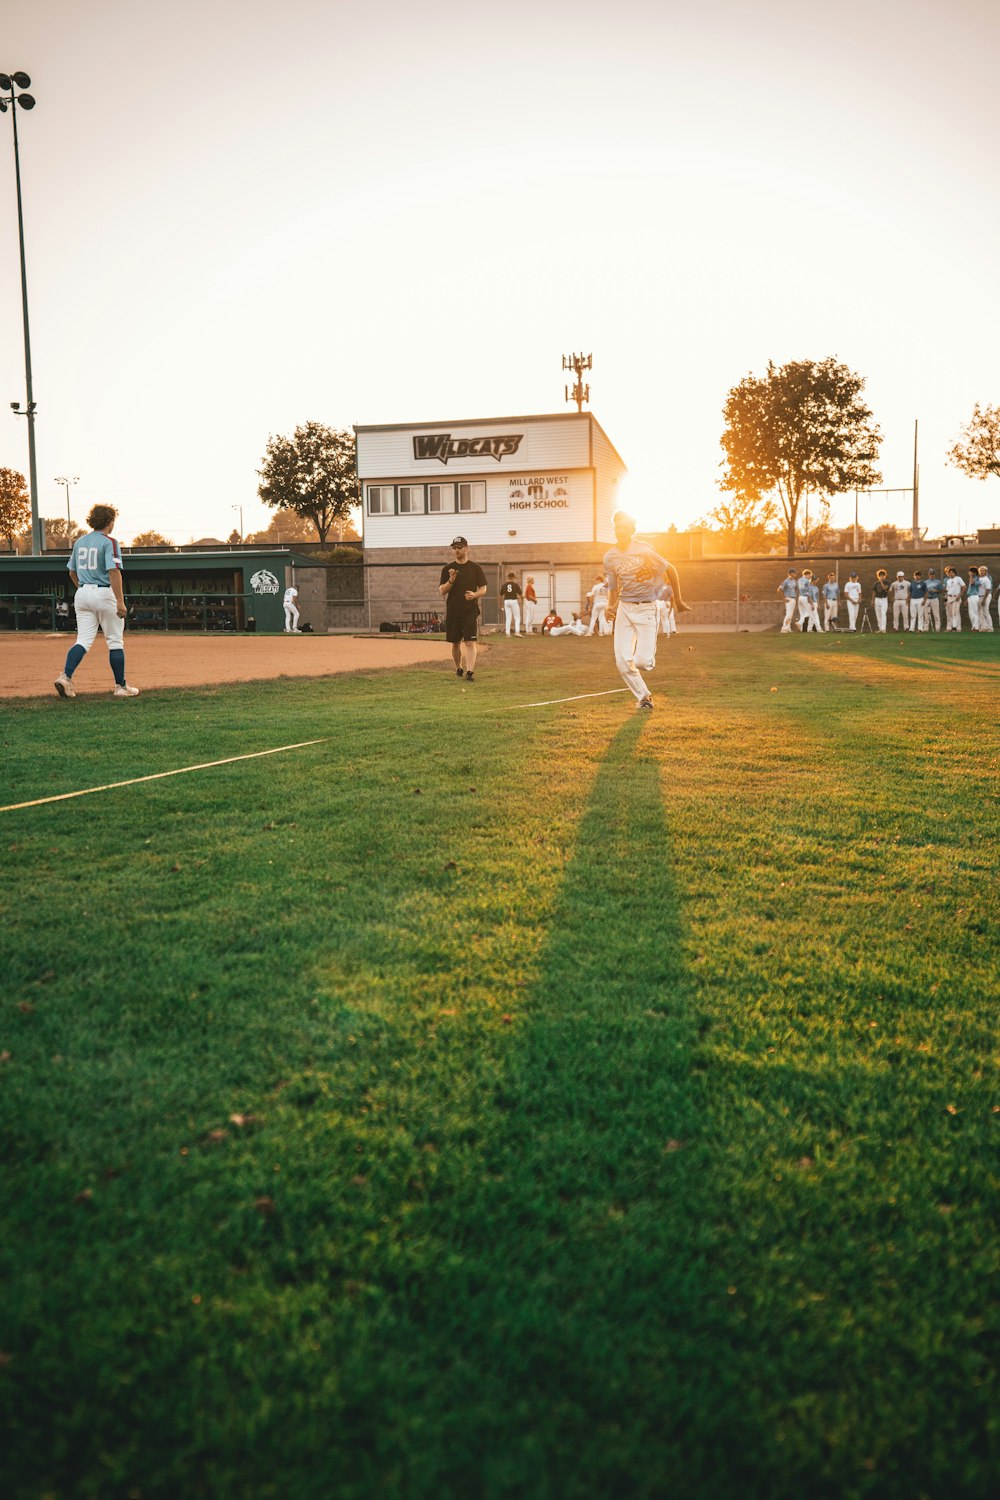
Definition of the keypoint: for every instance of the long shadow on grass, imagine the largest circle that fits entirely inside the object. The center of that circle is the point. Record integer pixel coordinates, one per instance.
(566, 1335)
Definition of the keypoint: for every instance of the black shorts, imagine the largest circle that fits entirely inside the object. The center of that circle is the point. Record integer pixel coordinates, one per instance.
(463, 627)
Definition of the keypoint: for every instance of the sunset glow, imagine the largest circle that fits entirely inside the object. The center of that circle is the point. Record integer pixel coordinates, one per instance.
(370, 214)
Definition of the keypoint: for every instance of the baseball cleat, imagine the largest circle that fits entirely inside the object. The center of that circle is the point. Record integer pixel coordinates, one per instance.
(459, 672)
(469, 677)
(124, 691)
(64, 687)
(646, 702)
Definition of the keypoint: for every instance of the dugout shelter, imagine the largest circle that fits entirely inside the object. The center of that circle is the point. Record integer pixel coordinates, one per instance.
(179, 588)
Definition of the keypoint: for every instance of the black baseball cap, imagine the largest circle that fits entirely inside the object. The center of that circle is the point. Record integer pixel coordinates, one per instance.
(459, 541)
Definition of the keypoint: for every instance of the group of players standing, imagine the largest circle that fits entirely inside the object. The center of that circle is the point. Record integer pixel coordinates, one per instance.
(916, 602)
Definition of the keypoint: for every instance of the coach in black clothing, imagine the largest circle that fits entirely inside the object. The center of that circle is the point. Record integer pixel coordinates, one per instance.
(463, 584)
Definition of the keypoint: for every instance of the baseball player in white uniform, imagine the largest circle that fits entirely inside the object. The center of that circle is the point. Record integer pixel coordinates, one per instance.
(635, 572)
(598, 596)
(95, 566)
(852, 594)
(953, 591)
(291, 611)
(900, 592)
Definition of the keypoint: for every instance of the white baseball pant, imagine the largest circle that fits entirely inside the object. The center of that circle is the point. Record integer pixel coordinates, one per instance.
(635, 645)
(882, 614)
(97, 609)
(985, 618)
(512, 616)
(597, 620)
(933, 613)
(786, 623)
(852, 615)
(953, 611)
(918, 620)
(899, 614)
(291, 617)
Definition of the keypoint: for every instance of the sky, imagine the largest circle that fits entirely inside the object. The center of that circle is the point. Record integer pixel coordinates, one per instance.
(242, 217)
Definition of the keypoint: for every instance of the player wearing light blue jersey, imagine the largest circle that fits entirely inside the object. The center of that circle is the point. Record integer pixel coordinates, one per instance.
(95, 566)
(935, 588)
(635, 574)
(803, 586)
(985, 599)
(831, 601)
(918, 601)
(972, 598)
(789, 592)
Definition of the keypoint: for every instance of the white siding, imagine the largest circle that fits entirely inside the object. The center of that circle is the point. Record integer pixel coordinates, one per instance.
(610, 471)
(527, 503)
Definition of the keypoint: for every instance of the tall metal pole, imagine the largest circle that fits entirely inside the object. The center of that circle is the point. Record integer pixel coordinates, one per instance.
(916, 487)
(37, 539)
(855, 520)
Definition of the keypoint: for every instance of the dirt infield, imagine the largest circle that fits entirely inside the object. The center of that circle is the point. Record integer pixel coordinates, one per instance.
(29, 664)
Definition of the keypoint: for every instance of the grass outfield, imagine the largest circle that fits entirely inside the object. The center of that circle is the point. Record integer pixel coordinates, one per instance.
(506, 1102)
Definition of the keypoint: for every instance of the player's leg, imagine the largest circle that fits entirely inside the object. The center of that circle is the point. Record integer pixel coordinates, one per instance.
(86, 634)
(114, 633)
(517, 616)
(469, 643)
(985, 618)
(626, 642)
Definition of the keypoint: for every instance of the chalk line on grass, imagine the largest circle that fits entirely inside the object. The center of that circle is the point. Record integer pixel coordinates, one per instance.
(205, 765)
(548, 702)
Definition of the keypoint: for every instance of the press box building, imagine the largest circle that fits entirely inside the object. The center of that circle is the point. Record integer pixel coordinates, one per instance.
(533, 495)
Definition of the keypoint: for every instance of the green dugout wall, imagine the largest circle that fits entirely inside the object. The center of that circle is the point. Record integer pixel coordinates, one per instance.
(182, 589)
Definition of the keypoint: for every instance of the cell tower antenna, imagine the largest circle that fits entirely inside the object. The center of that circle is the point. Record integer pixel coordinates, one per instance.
(577, 363)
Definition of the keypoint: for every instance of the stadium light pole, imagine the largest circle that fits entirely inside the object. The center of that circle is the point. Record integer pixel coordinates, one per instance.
(60, 479)
(9, 84)
(240, 509)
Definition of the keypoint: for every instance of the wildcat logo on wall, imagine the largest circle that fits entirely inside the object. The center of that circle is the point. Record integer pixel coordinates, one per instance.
(264, 582)
(442, 446)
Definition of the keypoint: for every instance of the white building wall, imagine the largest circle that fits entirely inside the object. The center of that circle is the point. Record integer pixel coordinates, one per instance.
(547, 480)
(389, 453)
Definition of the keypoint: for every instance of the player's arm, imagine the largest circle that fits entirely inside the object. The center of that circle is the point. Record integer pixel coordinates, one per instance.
(675, 584)
(444, 589)
(115, 580)
(76, 581)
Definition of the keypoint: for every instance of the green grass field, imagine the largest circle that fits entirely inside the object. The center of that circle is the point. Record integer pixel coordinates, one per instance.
(508, 1102)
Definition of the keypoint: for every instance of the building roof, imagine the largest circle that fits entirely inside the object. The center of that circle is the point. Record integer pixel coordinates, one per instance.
(556, 416)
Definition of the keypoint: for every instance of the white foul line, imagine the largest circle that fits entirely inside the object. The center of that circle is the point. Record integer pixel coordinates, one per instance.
(159, 775)
(548, 702)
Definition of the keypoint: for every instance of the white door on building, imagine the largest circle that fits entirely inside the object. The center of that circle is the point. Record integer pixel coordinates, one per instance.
(567, 586)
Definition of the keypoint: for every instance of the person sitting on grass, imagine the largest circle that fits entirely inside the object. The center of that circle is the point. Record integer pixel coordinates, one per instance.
(577, 628)
(551, 619)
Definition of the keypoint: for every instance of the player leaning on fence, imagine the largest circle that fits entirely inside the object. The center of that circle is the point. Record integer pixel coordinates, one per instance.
(635, 573)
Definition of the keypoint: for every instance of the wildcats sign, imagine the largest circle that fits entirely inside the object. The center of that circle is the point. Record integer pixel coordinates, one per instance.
(442, 446)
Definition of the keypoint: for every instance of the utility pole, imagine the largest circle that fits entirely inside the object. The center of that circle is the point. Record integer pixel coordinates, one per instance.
(577, 363)
(9, 83)
(916, 487)
(61, 479)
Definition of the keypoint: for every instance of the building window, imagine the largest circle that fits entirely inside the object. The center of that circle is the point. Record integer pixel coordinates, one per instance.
(381, 500)
(411, 500)
(440, 498)
(472, 497)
